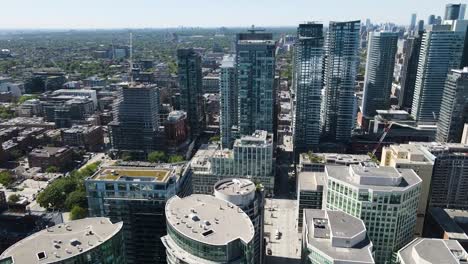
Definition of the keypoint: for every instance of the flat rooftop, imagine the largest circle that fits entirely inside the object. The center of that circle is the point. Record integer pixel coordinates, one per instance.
(427, 250)
(324, 225)
(311, 181)
(47, 151)
(208, 220)
(376, 178)
(119, 173)
(63, 241)
(453, 222)
(235, 186)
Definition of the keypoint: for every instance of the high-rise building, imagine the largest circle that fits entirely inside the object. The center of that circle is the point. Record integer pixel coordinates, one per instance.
(228, 94)
(427, 250)
(380, 64)
(334, 237)
(420, 25)
(454, 107)
(137, 196)
(455, 11)
(190, 85)
(308, 84)
(250, 158)
(244, 194)
(441, 50)
(421, 161)
(411, 51)
(203, 229)
(310, 188)
(341, 66)
(135, 127)
(88, 240)
(255, 62)
(413, 22)
(385, 198)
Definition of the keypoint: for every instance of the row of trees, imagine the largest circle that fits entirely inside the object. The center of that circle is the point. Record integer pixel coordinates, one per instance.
(160, 156)
(68, 193)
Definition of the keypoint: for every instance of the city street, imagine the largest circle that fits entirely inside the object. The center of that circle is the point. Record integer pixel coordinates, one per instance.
(281, 214)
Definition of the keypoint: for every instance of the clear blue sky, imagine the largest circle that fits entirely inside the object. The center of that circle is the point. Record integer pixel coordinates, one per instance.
(205, 13)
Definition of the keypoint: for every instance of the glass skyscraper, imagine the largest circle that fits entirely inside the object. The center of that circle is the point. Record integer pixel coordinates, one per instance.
(228, 94)
(341, 66)
(255, 62)
(411, 52)
(380, 63)
(308, 84)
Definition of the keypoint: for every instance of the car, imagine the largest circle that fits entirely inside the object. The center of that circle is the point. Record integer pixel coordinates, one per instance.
(269, 252)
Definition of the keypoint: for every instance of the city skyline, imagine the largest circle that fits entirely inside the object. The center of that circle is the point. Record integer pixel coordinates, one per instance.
(160, 14)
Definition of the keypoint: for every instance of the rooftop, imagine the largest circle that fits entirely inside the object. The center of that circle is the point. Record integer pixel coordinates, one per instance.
(235, 186)
(120, 173)
(311, 181)
(377, 178)
(47, 151)
(63, 241)
(453, 222)
(338, 235)
(209, 220)
(427, 250)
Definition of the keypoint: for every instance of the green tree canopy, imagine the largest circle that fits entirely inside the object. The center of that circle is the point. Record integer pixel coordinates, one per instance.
(26, 97)
(76, 198)
(6, 178)
(175, 158)
(157, 156)
(14, 198)
(78, 212)
(52, 169)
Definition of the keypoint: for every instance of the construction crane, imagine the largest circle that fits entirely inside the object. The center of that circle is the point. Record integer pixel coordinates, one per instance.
(384, 134)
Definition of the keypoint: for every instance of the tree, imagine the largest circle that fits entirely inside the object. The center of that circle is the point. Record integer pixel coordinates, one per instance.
(215, 138)
(175, 158)
(78, 212)
(157, 156)
(52, 169)
(76, 198)
(26, 97)
(55, 194)
(14, 198)
(5, 178)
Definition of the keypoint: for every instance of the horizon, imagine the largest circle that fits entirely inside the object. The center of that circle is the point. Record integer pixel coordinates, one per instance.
(144, 14)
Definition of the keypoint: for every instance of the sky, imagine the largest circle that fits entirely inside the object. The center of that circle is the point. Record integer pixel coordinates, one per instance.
(100, 14)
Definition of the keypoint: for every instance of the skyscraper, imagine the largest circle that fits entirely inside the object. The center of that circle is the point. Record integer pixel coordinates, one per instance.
(413, 22)
(136, 120)
(255, 62)
(385, 198)
(308, 84)
(454, 107)
(411, 51)
(454, 11)
(341, 65)
(190, 85)
(441, 50)
(205, 229)
(420, 25)
(228, 93)
(379, 72)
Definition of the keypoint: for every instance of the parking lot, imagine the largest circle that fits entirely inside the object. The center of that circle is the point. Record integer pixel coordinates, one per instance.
(280, 215)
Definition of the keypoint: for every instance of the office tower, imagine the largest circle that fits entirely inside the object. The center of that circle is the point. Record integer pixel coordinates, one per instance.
(308, 84)
(421, 25)
(136, 120)
(385, 198)
(255, 62)
(334, 237)
(455, 12)
(341, 65)
(206, 229)
(244, 194)
(413, 22)
(379, 72)
(310, 187)
(137, 196)
(228, 94)
(411, 51)
(431, 20)
(417, 158)
(454, 107)
(441, 50)
(250, 158)
(88, 240)
(428, 250)
(190, 85)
